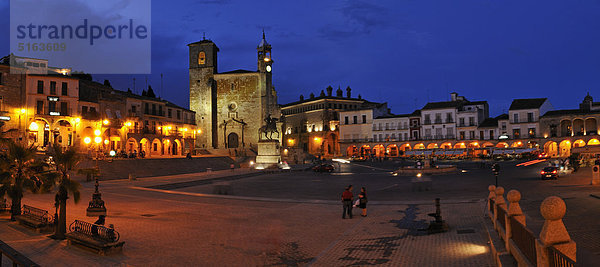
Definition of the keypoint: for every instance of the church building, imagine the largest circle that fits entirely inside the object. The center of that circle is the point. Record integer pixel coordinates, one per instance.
(230, 106)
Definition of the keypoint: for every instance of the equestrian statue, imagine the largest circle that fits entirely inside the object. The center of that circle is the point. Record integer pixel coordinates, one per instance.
(269, 128)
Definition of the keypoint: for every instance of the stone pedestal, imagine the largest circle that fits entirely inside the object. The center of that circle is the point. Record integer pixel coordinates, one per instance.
(268, 154)
(595, 175)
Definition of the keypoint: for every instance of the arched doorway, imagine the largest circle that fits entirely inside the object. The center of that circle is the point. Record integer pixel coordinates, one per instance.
(38, 133)
(578, 127)
(551, 148)
(167, 147)
(565, 128)
(419, 146)
(131, 146)
(579, 143)
(176, 147)
(233, 140)
(144, 146)
(487, 144)
(517, 144)
(591, 126)
(156, 148)
(564, 148)
(432, 146)
(352, 151)
(365, 151)
(460, 145)
(63, 133)
(405, 147)
(593, 142)
(446, 145)
(502, 145)
(379, 151)
(473, 145)
(392, 150)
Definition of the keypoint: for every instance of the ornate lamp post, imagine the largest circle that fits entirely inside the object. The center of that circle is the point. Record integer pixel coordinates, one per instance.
(96, 206)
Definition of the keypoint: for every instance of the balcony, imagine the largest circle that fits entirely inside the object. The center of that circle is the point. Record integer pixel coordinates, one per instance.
(133, 114)
(438, 121)
(54, 112)
(427, 122)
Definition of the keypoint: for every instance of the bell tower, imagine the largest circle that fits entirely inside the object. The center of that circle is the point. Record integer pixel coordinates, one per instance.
(265, 61)
(203, 90)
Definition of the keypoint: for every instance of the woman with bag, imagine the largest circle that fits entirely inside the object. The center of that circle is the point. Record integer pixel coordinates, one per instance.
(362, 201)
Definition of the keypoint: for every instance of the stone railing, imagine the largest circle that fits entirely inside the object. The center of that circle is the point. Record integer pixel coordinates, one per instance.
(553, 247)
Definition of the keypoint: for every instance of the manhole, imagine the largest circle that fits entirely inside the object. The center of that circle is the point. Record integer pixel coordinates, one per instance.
(148, 215)
(465, 231)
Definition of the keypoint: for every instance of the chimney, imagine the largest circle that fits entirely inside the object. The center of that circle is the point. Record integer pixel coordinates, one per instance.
(301, 97)
(453, 96)
(329, 90)
(359, 96)
(322, 93)
(348, 90)
(312, 95)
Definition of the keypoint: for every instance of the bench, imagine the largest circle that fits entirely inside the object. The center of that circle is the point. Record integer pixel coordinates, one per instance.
(35, 218)
(98, 238)
(4, 206)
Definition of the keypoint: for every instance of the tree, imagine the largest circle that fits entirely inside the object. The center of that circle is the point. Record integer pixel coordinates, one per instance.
(66, 161)
(19, 170)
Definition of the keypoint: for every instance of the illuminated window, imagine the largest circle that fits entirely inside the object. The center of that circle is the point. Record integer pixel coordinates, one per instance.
(201, 58)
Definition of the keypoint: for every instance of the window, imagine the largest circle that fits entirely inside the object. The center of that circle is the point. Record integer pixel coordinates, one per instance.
(438, 118)
(64, 89)
(530, 117)
(374, 138)
(516, 118)
(364, 118)
(516, 133)
(160, 111)
(462, 135)
(504, 125)
(449, 132)
(133, 108)
(531, 132)
(345, 119)
(84, 110)
(491, 134)
(471, 135)
(179, 114)
(427, 119)
(471, 121)
(449, 117)
(481, 135)
(64, 109)
(1, 78)
(201, 58)
(170, 113)
(355, 119)
(461, 122)
(52, 88)
(146, 108)
(51, 106)
(40, 87)
(39, 107)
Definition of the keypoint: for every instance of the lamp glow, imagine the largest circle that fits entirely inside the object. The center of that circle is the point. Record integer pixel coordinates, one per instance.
(87, 140)
(97, 132)
(97, 139)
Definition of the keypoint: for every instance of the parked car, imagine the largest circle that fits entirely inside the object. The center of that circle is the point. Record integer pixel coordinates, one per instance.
(549, 173)
(324, 167)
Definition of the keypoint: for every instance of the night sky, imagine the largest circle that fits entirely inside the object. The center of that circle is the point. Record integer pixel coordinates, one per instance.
(402, 52)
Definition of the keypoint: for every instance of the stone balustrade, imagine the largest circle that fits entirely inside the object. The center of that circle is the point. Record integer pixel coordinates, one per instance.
(553, 243)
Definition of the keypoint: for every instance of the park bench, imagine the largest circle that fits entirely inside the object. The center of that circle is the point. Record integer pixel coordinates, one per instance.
(4, 206)
(98, 238)
(35, 218)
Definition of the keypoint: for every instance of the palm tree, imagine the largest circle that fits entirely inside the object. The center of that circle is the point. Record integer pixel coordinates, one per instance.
(19, 170)
(66, 161)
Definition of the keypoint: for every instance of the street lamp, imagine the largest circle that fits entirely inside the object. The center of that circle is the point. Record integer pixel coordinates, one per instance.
(96, 206)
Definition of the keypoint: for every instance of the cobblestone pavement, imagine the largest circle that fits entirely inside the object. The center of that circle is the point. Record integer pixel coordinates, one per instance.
(162, 229)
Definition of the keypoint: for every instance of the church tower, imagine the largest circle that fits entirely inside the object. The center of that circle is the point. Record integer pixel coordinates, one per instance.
(265, 68)
(203, 90)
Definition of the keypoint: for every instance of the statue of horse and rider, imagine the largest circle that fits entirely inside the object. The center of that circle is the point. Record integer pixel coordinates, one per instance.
(269, 128)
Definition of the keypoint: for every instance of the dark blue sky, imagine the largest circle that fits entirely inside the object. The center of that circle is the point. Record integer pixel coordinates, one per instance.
(405, 52)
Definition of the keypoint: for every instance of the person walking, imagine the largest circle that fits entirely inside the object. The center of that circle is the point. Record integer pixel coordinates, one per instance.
(347, 198)
(362, 198)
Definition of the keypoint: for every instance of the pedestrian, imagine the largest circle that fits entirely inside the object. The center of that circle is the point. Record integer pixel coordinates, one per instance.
(362, 197)
(100, 221)
(347, 198)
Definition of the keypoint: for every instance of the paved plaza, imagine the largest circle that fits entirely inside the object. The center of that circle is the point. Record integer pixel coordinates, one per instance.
(294, 218)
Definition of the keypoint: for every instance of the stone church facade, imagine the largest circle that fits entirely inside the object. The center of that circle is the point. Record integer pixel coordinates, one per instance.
(230, 106)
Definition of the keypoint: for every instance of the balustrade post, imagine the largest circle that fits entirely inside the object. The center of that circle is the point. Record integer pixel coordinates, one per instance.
(554, 233)
(498, 202)
(491, 197)
(514, 211)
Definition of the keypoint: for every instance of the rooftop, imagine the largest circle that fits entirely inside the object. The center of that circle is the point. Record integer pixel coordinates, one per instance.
(528, 103)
